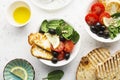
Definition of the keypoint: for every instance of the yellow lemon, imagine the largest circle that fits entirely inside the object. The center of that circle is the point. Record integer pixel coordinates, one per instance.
(20, 72)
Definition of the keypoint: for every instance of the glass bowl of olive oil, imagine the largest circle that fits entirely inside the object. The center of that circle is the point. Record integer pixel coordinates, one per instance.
(19, 13)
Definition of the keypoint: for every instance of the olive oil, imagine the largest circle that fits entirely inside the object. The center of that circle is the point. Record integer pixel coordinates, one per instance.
(21, 15)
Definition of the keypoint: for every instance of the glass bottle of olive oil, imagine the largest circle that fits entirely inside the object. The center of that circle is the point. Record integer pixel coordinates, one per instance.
(21, 15)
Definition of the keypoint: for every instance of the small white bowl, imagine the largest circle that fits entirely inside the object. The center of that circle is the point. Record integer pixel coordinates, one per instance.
(93, 35)
(11, 8)
(74, 52)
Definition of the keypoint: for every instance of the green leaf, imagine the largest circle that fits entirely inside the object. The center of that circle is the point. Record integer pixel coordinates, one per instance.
(116, 15)
(55, 75)
(75, 37)
(53, 24)
(43, 26)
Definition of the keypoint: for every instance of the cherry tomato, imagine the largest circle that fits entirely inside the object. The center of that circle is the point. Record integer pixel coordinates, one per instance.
(102, 15)
(68, 46)
(59, 48)
(97, 8)
(91, 19)
(61, 55)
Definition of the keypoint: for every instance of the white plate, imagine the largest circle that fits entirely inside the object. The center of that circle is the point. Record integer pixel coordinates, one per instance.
(51, 4)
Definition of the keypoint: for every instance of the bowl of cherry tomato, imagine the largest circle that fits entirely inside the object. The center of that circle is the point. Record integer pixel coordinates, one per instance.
(101, 24)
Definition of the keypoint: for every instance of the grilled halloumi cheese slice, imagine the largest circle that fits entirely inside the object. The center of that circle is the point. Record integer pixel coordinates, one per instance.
(111, 6)
(88, 64)
(40, 40)
(110, 70)
(104, 1)
(41, 53)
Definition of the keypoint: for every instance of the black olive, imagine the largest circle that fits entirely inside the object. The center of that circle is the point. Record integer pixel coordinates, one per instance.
(67, 56)
(62, 38)
(106, 35)
(100, 33)
(54, 60)
(52, 31)
(99, 27)
(93, 29)
(97, 24)
(54, 53)
(102, 28)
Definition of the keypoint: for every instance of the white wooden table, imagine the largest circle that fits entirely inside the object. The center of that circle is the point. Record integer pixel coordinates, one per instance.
(13, 41)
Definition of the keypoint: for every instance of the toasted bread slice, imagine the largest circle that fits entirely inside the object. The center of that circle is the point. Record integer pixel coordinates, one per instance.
(41, 53)
(110, 69)
(113, 7)
(40, 40)
(87, 67)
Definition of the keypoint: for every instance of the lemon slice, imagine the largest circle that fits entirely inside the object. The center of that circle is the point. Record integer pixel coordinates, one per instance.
(53, 39)
(108, 21)
(20, 72)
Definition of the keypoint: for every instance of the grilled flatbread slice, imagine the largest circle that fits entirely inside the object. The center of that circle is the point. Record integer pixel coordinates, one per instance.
(98, 56)
(41, 53)
(40, 40)
(85, 70)
(110, 70)
(87, 67)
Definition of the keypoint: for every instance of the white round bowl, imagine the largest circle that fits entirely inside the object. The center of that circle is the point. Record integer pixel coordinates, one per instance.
(74, 52)
(93, 35)
(11, 8)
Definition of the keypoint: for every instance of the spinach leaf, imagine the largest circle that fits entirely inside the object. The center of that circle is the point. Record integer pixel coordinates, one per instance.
(54, 75)
(75, 37)
(116, 15)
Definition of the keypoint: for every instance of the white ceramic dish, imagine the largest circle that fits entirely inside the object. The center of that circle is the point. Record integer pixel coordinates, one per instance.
(12, 7)
(94, 36)
(74, 53)
(51, 4)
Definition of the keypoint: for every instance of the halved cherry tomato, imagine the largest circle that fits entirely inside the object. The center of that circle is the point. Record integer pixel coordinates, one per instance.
(59, 48)
(97, 8)
(61, 55)
(102, 15)
(91, 19)
(68, 46)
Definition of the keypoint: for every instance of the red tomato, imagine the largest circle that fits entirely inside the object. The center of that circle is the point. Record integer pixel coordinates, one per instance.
(98, 8)
(61, 55)
(102, 15)
(68, 46)
(91, 19)
(59, 48)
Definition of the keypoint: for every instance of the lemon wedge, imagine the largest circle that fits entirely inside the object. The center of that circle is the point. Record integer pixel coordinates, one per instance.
(53, 39)
(20, 72)
(108, 21)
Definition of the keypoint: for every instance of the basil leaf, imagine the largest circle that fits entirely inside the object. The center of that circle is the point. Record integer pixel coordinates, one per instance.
(55, 75)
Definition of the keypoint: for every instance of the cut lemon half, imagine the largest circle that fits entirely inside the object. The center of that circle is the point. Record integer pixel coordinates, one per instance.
(19, 72)
(108, 21)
